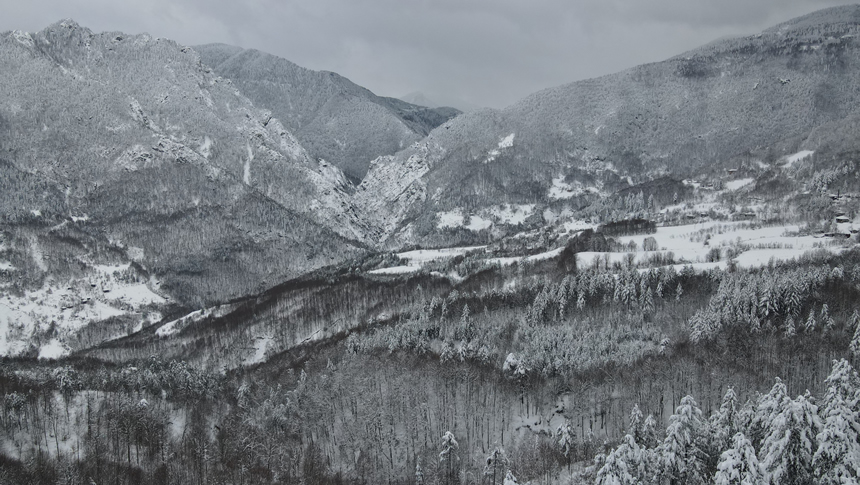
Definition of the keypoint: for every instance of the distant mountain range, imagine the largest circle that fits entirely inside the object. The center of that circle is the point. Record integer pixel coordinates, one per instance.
(333, 118)
(755, 97)
(439, 100)
(215, 172)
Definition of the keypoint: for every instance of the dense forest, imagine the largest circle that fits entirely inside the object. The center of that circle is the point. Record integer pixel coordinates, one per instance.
(569, 376)
(651, 277)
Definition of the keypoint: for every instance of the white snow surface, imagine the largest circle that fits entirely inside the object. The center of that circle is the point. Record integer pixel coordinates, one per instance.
(53, 350)
(562, 190)
(206, 147)
(416, 258)
(261, 344)
(687, 245)
(736, 184)
(526, 259)
(175, 326)
(104, 292)
(246, 171)
(792, 159)
(478, 223)
(511, 213)
(452, 218)
(505, 142)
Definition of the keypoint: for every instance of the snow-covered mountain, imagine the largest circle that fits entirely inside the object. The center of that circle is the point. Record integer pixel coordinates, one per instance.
(335, 119)
(121, 149)
(730, 99)
(127, 151)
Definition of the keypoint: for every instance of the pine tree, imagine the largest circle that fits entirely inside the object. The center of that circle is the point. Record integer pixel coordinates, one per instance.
(790, 330)
(787, 451)
(449, 459)
(810, 322)
(497, 463)
(769, 407)
(854, 321)
(826, 319)
(624, 466)
(678, 292)
(649, 432)
(739, 465)
(648, 303)
(837, 459)
(635, 427)
(566, 442)
(854, 347)
(680, 455)
(725, 422)
(419, 474)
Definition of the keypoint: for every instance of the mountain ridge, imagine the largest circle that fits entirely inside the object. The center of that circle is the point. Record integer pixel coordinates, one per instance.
(673, 117)
(338, 120)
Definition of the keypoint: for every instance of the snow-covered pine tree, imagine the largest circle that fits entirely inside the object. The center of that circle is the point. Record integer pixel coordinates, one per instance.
(790, 327)
(739, 465)
(810, 322)
(565, 437)
(826, 319)
(724, 422)
(769, 407)
(854, 347)
(648, 303)
(419, 474)
(854, 320)
(623, 466)
(497, 463)
(787, 451)
(837, 460)
(680, 456)
(649, 432)
(635, 427)
(510, 479)
(448, 458)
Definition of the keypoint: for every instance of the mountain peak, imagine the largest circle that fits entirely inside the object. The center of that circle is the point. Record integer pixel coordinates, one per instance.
(844, 14)
(66, 24)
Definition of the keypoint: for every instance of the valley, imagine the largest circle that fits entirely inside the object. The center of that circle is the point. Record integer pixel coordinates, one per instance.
(217, 266)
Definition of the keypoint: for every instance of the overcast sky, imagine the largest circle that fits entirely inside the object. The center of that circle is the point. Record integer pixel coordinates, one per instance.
(484, 52)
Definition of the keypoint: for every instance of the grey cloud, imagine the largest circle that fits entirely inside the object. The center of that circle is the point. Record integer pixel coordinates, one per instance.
(487, 52)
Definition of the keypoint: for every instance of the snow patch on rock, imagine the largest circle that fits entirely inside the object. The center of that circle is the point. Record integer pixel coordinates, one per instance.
(505, 142)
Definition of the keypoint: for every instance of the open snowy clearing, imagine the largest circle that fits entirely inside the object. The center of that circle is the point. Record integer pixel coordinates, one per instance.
(792, 159)
(175, 326)
(684, 245)
(415, 259)
(106, 292)
(736, 184)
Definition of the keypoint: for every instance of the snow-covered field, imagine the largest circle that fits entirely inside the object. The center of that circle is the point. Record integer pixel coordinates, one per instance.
(736, 184)
(415, 259)
(107, 291)
(175, 326)
(792, 159)
(757, 245)
(689, 244)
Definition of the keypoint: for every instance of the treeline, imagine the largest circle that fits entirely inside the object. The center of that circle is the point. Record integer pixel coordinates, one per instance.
(772, 439)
